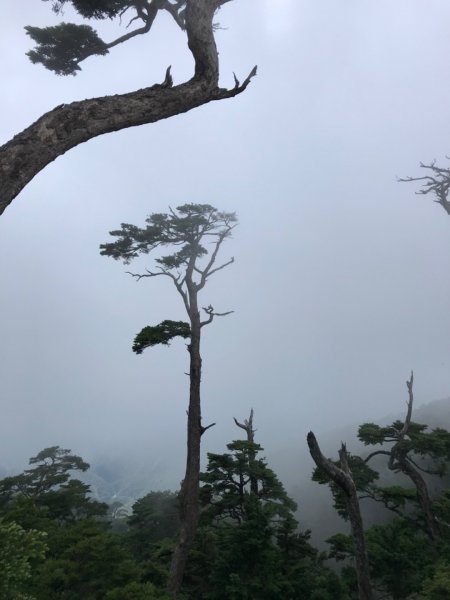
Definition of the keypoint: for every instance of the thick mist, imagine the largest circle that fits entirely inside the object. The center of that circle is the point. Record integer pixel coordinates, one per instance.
(340, 283)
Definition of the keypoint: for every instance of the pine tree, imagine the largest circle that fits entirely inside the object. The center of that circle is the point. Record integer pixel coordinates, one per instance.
(195, 233)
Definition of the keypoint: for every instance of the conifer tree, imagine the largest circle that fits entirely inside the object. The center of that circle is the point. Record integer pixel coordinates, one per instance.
(249, 545)
(195, 233)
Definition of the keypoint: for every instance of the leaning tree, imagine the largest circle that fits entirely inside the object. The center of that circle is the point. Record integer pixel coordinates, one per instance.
(195, 232)
(341, 477)
(63, 47)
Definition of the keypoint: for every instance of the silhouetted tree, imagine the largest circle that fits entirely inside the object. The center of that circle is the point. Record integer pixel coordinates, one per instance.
(187, 230)
(248, 545)
(47, 488)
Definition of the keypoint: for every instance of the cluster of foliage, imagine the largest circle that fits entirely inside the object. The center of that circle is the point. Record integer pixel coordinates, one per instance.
(61, 48)
(409, 554)
(248, 544)
(45, 511)
(57, 543)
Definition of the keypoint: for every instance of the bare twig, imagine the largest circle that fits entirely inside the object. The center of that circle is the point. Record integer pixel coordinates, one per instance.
(438, 184)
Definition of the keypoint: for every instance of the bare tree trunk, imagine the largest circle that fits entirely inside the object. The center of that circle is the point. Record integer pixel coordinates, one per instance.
(69, 125)
(423, 496)
(189, 494)
(343, 478)
(399, 461)
(247, 426)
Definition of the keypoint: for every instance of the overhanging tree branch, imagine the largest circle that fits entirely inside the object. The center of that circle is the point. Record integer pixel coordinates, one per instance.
(69, 125)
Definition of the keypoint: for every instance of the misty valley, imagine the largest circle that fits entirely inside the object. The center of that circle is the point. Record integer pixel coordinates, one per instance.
(71, 530)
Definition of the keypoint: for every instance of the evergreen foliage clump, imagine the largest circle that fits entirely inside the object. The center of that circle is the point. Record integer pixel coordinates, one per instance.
(62, 47)
(249, 545)
(160, 334)
(409, 554)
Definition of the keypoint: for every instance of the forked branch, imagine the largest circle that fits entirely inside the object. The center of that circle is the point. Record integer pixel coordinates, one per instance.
(209, 310)
(437, 184)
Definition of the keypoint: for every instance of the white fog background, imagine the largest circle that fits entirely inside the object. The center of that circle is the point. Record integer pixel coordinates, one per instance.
(341, 282)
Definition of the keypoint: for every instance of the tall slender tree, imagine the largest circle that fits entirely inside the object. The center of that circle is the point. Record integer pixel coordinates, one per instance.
(188, 231)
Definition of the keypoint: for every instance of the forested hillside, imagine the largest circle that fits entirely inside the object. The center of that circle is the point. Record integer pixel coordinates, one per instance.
(59, 541)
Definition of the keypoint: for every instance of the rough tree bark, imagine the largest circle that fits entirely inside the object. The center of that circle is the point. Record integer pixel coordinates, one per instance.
(189, 494)
(343, 478)
(69, 125)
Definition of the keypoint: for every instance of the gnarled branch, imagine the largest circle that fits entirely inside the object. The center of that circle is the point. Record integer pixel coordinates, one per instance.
(343, 478)
(69, 125)
(209, 310)
(437, 184)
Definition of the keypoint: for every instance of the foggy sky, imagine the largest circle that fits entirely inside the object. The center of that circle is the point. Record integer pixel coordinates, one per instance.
(341, 278)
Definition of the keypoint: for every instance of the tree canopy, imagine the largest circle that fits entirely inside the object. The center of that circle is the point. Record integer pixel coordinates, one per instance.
(61, 48)
(195, 234)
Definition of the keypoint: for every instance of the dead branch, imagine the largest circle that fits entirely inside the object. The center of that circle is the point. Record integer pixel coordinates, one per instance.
(247, 426)
(209, 310)
(437, 184)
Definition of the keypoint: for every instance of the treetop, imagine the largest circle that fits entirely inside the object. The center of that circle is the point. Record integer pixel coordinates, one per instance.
(94, 9)
(185, 227)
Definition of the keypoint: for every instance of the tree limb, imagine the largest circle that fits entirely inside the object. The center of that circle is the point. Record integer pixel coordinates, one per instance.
(69, 125)
(437, 184)
(209, 310)
(207, 270)
(203, 429)
(372, 454)
(139, 276)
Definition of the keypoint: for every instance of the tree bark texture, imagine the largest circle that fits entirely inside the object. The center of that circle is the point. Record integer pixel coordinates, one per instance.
(343, 478)
(189, 494)
(69, 125)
